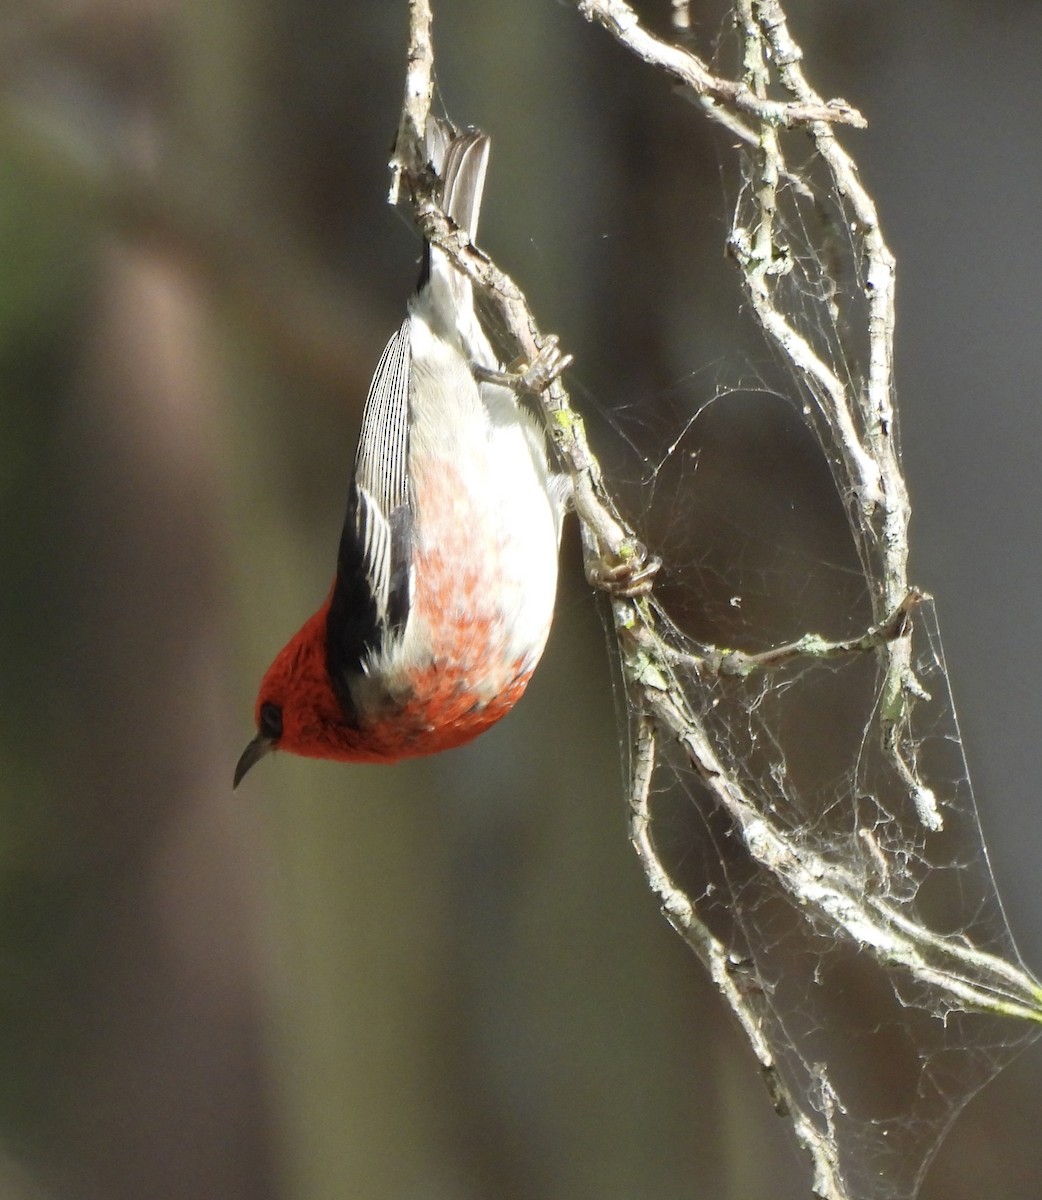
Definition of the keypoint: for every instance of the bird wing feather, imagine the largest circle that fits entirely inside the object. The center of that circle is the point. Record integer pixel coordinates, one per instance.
(371, 594)
(381, 473)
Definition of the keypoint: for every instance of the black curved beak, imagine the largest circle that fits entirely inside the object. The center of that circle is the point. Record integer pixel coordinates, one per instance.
(253, 753)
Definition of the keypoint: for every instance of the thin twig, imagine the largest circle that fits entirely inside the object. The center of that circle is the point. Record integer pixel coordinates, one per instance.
(719, 962)
(619, 19)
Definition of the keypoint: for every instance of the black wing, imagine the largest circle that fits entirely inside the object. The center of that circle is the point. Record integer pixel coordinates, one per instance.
(371, 594)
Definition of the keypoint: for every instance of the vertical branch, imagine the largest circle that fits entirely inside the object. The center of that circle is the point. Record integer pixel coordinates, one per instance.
(717, 960)
(867, 441)
(610, 545)
(407, 156)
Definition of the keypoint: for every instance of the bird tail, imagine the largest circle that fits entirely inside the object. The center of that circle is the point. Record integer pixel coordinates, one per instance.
(463, 162)
(461, 159)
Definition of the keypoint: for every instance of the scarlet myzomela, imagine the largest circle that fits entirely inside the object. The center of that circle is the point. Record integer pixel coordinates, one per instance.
(447, 568)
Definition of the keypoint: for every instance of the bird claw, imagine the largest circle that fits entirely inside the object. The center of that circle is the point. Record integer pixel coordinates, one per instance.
(628, 578)
(533, 378)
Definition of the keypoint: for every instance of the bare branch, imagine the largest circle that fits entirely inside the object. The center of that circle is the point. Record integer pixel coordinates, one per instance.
(408, 155)
(619, 19)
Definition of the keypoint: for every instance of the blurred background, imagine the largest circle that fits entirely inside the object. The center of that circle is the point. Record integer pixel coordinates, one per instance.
(445, 979)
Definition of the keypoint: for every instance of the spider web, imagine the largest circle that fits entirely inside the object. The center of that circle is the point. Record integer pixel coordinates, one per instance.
(867, 1050)
(811, 827)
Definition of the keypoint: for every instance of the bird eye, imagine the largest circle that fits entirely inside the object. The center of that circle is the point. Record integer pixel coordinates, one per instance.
(271, 720)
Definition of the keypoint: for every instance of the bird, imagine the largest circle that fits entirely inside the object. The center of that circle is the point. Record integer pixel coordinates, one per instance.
(446, 572)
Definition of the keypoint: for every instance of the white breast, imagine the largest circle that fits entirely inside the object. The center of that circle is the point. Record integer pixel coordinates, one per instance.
(486, 527)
